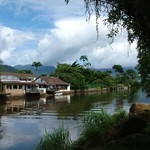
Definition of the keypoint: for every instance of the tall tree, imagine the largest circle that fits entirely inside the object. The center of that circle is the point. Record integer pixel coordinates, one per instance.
(132, 15)
(85, 61)
(118, 68)
(36, 65)
(120, 76)
(71, 74)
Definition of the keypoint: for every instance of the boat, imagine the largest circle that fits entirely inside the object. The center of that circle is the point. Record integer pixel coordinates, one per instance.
(57, 93)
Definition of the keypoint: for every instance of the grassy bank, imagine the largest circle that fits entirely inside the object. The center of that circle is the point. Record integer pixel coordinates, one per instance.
(101, 131)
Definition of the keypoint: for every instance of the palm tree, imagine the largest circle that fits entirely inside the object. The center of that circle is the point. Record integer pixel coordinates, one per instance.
(36, 65)
(85, 61)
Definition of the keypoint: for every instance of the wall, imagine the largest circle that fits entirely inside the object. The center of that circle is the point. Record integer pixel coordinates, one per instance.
(15, 92)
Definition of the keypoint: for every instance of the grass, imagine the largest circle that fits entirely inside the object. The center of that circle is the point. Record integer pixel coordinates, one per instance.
(97, 127)
(94, 132)
(58, 140)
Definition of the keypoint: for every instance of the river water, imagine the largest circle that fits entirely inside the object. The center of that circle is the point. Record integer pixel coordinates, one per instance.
(24, 121)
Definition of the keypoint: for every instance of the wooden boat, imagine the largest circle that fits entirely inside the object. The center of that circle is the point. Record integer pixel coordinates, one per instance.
(57, 93)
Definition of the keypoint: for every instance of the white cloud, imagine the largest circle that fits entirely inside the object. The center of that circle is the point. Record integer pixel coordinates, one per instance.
(65, 43)
(75, 37)
(10, 40)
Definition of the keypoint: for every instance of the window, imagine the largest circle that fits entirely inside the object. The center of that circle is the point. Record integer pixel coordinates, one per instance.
(20, 86)
(9, 87)
(14, 86)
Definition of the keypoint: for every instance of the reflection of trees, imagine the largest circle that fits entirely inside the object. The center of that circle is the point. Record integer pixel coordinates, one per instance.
(125, 96)
(82, 103)
(1, 131)
(2, 106)
(133, 94)
(74, 105)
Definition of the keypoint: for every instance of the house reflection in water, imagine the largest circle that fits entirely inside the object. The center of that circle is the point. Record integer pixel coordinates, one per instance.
(13, 106)
(35, 107)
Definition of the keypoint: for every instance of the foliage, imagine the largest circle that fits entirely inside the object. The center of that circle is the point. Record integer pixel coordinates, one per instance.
(80, 77)
(85, 61)
(128, 77)
(101, 130)
(132, 15)
(72, 75)
(82, 62)
(36, 65)
(118, 68)
(58, 139)
(96, 130)
(96, 125)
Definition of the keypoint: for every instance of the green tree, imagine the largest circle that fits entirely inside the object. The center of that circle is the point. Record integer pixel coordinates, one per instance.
(132, 15)
(70, 74)
(36, 65)
(118, 69)
(132, 77)
(120, 74)
(85, 61)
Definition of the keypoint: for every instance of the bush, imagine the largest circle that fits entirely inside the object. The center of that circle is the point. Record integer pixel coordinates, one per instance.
(96, 126)
(57, 140)
(93, 133)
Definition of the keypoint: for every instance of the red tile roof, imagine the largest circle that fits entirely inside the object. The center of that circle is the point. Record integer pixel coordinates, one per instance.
(19, 75)
(53, 80)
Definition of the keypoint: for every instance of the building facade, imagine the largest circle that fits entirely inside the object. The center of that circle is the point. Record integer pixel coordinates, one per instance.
(17, 84)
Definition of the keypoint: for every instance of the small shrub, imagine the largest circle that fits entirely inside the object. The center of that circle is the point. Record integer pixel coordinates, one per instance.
(96, 125)
(57, 140)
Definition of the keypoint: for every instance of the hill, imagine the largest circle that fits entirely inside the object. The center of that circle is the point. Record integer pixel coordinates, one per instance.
(41, 70)
(6, 68)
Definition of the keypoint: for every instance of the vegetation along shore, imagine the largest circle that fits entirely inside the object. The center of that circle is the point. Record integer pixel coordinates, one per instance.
(104, 131)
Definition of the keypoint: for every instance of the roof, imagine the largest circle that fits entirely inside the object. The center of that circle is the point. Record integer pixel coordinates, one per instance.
(53, 80)
(19, 75)
(49, 80)
(18, 83)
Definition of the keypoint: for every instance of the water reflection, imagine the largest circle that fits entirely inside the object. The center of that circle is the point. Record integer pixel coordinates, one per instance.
(24, 121)
(67, 105)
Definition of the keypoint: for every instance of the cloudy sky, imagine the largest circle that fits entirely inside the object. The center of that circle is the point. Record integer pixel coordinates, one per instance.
(52, 32)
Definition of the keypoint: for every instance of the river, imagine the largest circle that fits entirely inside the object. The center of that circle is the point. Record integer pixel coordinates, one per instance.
(24, 121)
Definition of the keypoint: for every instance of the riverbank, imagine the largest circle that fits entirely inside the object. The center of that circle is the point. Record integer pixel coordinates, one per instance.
(71, 92)
(103, 131)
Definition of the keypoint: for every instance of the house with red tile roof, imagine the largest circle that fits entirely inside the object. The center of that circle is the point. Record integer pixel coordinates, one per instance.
(18, 84)
(50, 85)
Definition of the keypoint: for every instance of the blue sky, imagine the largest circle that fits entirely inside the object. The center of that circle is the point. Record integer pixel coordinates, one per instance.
(50, 32)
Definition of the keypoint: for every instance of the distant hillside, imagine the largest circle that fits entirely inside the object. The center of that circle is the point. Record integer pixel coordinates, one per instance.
(45, 69)
(6, 68)
(41, 70)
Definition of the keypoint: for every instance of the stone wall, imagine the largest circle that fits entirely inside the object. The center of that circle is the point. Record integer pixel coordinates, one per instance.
(15, 92)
